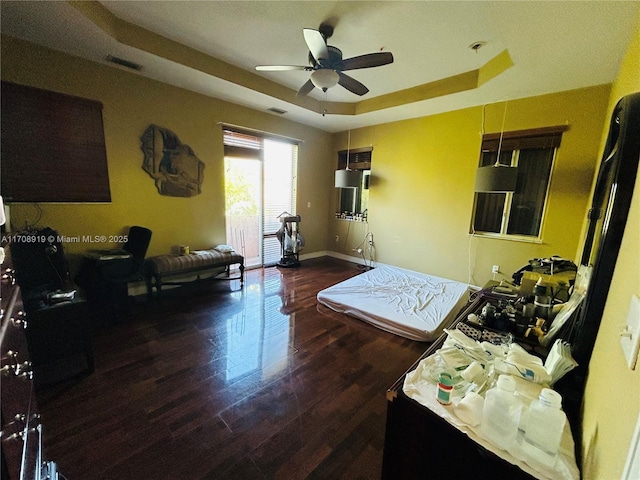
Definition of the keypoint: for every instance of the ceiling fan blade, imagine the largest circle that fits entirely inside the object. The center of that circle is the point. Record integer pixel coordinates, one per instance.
(367, 61)
(305, 89)
(316, 44)
(279, 68)
(352, 84)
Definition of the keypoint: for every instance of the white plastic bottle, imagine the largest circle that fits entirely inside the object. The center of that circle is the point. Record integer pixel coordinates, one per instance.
(501, 413)
(544, 430)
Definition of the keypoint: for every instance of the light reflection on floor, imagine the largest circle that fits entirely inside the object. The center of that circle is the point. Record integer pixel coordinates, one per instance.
(259, 333)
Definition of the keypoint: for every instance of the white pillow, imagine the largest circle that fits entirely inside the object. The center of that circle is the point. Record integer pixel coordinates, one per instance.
(224, 248)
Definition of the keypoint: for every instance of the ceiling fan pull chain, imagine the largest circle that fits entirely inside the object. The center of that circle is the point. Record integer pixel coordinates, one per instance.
(324, 109)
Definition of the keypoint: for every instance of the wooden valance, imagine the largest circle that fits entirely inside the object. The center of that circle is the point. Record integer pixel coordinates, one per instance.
(545, 137)
(359, 158)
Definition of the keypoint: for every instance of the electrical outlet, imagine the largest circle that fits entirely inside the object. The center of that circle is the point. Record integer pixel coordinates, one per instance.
(495, 269)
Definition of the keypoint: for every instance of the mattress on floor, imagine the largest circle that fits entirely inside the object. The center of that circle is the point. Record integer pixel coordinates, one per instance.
(407, 303)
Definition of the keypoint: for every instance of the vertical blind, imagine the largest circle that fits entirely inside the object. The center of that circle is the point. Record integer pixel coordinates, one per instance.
(279, 193)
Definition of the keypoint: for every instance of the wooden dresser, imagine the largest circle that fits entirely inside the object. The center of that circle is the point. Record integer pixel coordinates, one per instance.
(419, 444)
(21, 438)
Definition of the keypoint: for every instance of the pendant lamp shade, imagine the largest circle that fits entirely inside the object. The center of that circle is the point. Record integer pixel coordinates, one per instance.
(496, 178)
(348, 178)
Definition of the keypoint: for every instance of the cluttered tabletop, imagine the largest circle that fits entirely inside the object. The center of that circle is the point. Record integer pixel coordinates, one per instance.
(492, 374)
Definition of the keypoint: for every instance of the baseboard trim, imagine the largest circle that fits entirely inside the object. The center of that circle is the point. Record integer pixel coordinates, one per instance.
(341, 256)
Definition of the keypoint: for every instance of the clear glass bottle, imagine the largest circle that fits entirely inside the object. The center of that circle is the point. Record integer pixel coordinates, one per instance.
(501, 413)
(544, 430)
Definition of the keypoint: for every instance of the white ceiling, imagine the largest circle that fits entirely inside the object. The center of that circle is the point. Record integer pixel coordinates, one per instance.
(554, 45)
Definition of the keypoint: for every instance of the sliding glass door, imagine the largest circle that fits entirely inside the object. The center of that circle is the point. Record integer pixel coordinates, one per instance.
(260, 184)
(243, 184)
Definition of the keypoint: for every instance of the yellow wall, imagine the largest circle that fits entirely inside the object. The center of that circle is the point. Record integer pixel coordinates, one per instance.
(423, 172)
(131, 103)
(608, 422)
(420, 199)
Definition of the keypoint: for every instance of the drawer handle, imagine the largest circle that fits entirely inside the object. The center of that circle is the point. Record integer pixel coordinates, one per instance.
(21, 427)
(20, 320)
(15, 368)
(10, 275)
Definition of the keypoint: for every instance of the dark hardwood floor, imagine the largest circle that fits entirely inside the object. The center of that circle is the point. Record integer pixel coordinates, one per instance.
(214, 381)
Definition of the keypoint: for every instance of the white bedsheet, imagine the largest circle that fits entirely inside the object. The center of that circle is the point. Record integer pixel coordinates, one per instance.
(407, 303)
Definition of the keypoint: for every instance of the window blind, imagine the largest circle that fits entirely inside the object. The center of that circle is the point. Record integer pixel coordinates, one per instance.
(53, 147)
(242, 145)
(279, 193)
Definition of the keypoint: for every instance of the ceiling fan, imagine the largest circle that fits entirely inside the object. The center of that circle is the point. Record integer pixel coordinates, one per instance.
(327, 65)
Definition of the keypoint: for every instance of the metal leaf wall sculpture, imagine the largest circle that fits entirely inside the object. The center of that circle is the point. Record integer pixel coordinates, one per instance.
(176, 169)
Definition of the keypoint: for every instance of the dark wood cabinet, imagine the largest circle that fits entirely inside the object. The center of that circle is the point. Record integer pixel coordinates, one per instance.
(20, 420)
(59, 341)
(21, 440)
(421, 445)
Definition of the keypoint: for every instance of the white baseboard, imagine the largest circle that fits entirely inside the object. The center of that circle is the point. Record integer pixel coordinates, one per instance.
(341, 256)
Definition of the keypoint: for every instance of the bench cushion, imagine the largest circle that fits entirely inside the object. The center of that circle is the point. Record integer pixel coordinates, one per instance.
(197, 260)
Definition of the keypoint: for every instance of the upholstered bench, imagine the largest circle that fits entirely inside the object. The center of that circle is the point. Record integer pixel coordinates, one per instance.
(157, 269)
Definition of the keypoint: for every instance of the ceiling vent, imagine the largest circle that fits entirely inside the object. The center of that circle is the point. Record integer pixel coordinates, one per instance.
(276, 110)
(124, 63)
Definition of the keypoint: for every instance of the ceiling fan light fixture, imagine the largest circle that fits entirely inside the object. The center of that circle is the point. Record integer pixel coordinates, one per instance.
(325, 78)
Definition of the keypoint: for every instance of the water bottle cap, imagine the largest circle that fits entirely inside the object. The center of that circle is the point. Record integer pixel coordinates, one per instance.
(445, 379)
(507, 383)
(550, 398)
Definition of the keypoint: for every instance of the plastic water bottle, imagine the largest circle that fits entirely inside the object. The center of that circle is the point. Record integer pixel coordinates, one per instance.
(544, 430)
(501, 413)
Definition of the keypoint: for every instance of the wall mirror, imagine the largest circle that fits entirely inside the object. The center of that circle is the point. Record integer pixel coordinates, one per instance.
(355, 200)
(607, 220)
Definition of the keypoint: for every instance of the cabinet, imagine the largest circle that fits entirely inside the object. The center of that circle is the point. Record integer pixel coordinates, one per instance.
(58, 326)
(59, 341)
